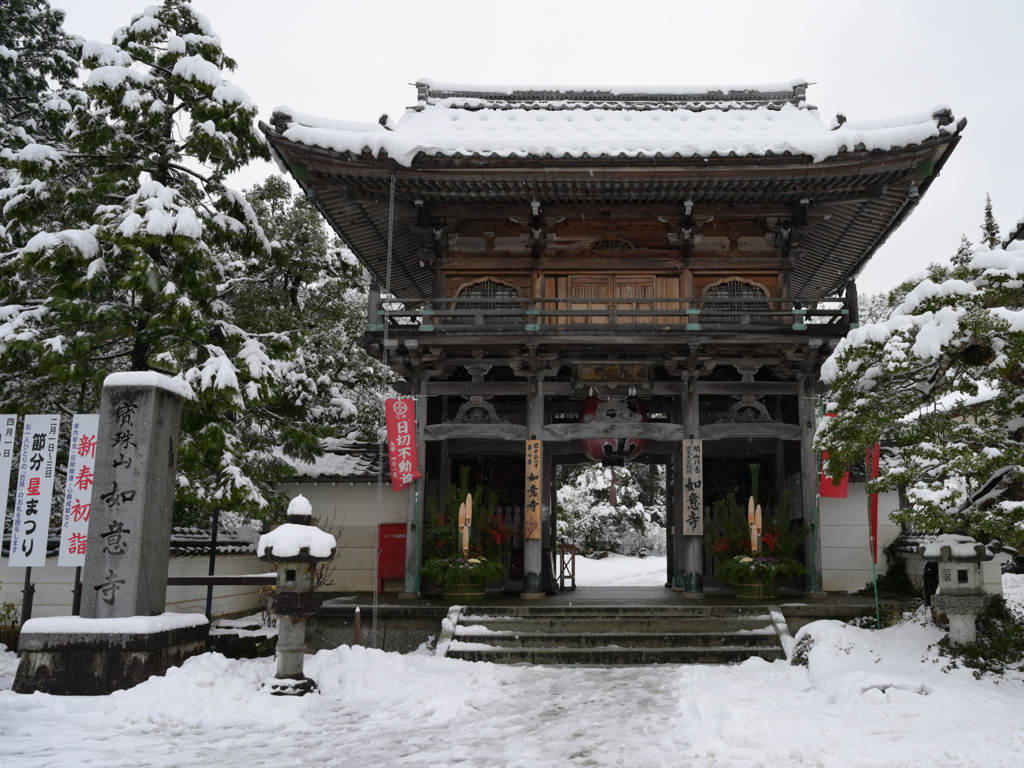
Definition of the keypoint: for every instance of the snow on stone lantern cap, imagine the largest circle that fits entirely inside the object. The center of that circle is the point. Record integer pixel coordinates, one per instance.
(300, 511)
(951, 547)
(297, 540)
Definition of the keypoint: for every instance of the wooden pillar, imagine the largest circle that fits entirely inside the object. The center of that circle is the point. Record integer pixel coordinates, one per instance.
(670, 565)
(533, 547)
(692, 555)
(550, 538)
(417, 500)
(677, 558)
(809, 472)
(853, 304)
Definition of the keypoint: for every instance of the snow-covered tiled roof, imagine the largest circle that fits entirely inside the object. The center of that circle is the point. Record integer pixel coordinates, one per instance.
(196, 542)
(342, 460)
(536, 122)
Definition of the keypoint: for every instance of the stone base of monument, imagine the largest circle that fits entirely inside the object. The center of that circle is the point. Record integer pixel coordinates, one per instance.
(962, 612)
(72, 656)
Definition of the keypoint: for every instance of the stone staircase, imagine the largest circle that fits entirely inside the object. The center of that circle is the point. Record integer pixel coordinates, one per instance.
(615, 635)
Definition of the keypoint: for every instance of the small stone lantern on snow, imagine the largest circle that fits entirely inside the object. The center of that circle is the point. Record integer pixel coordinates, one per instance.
(960, 595)
(295, 547)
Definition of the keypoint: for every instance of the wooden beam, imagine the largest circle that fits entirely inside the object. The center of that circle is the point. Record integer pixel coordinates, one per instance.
(753, 430)
(756, 388)
(646, 430)
(643, 261)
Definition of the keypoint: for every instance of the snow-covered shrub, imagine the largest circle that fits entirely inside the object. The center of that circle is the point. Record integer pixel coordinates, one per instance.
(942, 382)
(634, 525)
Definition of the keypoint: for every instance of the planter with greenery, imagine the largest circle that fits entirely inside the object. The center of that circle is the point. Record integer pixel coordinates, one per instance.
(755, 574)
(462, 573)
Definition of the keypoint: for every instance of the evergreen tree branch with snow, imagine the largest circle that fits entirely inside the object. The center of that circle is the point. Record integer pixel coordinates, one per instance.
(125, 248)
(941, 381)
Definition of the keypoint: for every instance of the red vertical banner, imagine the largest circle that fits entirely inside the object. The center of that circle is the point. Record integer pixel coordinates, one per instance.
(873, 454)
(402, 456)
(826, 487)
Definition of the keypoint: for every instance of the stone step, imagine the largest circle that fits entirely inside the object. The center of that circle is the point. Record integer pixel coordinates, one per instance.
(635, 625)
(552, 640)
(619, 611)
(618, 656)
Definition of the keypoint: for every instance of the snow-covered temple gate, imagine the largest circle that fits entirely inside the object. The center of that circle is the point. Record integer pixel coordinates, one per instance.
(686, 252)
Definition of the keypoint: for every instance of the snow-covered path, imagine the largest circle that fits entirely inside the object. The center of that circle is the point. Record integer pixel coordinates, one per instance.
(621, 571)
(868, 699)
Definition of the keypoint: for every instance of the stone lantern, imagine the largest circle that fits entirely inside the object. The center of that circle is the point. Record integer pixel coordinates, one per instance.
(960, 595)
(295, 547)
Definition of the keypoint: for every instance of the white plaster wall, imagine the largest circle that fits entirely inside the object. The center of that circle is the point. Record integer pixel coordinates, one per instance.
(54, 586)
(349, 512)
(845, 552)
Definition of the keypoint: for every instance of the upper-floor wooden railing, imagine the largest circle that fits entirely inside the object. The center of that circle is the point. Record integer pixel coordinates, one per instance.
(834, 316)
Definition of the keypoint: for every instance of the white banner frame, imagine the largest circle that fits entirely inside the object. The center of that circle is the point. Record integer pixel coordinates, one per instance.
(693, 488)
(36, 469)
(8, 427)
(74, 531)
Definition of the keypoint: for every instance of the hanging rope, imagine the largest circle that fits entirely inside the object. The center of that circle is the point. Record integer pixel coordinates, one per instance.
(385, 291)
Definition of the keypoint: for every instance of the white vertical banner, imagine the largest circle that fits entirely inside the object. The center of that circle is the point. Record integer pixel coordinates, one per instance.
(36, 467)
(74, 530)
(693, 488)
(8, 425)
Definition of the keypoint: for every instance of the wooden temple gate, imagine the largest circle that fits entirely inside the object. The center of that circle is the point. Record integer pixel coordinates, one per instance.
(706, 275)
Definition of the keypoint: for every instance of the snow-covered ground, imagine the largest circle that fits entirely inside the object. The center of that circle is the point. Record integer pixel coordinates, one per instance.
(620, 571)
(867, 699)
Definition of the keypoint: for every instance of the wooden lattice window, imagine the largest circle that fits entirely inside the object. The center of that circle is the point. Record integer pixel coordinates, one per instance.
(485, 289)
(612, 245)
(736, 293)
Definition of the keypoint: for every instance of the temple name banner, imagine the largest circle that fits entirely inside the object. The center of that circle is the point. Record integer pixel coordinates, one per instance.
(74, 532)
(30, 525)
(532, 507)
(403, 458)
(693, 488)
(8, 425)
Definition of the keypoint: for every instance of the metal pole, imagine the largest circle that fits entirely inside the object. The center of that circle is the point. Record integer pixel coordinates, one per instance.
(76, 603)
(355, 628)
(213, 560)
(27, 593)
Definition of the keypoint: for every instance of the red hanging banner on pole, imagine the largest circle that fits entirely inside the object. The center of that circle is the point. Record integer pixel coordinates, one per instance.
(402, 455)
(825, 486)
(873, 454)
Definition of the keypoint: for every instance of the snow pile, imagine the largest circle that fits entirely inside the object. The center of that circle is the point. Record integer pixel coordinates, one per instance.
(129, 625)
(289, 539)
(467, 127)
(960, 547)
(621, 571)
(177, 385)
(8, 667)
(1013, 590)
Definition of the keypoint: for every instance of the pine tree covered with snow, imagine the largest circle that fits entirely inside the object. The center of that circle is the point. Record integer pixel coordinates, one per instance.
(942, 379)
(964, 253)
(873, 307)
(989, 227)
(132, 265)
(311, 287)
(37, 59)
(633, 524)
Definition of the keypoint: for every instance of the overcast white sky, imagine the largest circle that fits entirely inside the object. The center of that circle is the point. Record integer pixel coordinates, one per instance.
(350, 59)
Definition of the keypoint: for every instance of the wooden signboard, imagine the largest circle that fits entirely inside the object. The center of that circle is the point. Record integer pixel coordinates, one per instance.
(693, 488)
(531, 520)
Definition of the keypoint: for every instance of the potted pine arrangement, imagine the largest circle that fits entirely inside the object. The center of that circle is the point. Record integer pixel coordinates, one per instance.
(465, 544)
(753, 551)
